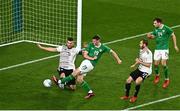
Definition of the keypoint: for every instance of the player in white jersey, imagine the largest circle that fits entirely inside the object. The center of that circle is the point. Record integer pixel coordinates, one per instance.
(144, 70)
(68, 55)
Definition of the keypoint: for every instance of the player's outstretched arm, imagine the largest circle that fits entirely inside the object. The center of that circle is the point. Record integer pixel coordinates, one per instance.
(50, 49)
(175, 43)
(114, 54)
(150, 36)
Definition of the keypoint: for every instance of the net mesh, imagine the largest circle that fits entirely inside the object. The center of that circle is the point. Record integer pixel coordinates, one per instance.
(47, 21)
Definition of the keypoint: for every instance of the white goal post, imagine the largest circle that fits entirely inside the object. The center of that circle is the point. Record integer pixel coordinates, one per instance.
(48, 22)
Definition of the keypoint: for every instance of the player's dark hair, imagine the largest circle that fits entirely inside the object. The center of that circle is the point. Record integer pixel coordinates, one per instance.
(159, 20)
(145, 41)
(70, 39)
(97, 37)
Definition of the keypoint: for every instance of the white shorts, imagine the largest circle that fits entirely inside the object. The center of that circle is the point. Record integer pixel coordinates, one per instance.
(86, 67)
(161, 55)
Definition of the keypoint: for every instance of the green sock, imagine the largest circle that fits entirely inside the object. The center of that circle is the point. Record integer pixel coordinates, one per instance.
(67, 79)
(166, 72)
(85, 86)
(156, 69)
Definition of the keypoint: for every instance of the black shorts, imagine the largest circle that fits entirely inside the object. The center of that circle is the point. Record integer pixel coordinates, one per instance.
(137, 73)
(67, 72)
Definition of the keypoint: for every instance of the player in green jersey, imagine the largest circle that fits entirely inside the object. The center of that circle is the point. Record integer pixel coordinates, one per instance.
(92, 54)
(162, 33)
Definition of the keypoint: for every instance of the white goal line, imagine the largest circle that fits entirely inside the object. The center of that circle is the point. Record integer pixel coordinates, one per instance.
(49, 57)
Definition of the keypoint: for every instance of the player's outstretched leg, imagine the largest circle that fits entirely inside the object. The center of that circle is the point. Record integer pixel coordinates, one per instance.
(66, 79)
(87, 88)
(54, 78)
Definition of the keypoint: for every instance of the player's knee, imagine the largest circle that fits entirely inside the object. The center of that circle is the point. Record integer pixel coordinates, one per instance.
(62, 75)
(76, 72)
(156, 63)
(73, 87)
(138, 81)
(129, 80)
(79, 80)
(164, 64)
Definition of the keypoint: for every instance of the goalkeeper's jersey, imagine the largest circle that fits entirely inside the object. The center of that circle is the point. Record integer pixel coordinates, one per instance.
(67, 57)
(146, 57)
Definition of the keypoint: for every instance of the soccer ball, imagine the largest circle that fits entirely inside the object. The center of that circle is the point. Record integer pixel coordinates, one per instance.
(47, 83)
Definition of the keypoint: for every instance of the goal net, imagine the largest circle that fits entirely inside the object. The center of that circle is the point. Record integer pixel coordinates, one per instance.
(48, 22)
(7, 23)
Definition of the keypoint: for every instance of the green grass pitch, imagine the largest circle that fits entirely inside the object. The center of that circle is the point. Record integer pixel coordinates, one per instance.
(22, 88)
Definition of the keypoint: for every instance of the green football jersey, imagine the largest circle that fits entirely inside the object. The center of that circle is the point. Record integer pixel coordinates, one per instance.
(162, 36)
(96, 51)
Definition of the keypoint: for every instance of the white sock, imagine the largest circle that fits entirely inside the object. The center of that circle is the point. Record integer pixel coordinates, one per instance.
(90, 91)
(59, 81)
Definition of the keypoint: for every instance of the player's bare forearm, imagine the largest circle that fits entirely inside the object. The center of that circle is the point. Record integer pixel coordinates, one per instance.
(132, 66)
(114, 54)
(85, 55)
(150, 36)
(146, 64)
(50, 49)
(175, 42)
(174, 39)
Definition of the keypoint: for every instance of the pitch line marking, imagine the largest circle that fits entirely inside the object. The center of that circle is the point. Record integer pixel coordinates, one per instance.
(49, 57)
(29, 62)
(153, 102)
(136, 36)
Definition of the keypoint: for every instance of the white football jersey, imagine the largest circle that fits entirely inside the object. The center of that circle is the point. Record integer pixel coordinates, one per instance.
(146, 57)
(67, 57)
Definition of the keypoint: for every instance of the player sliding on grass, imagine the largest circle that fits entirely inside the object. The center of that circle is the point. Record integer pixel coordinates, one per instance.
(144, 62)
(66, 62)
(162, 33)
(92, 54)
